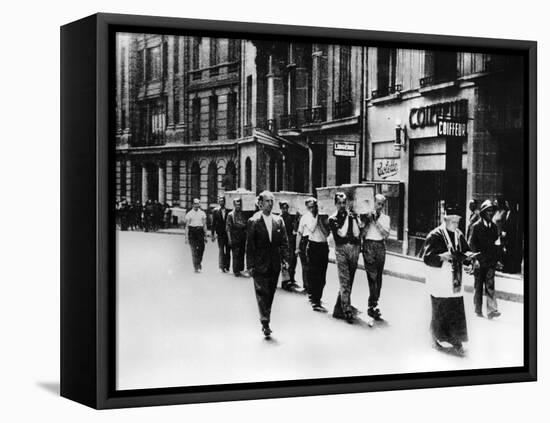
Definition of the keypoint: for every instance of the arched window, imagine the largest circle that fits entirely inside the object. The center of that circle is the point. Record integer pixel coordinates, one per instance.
(195, 181)
(212, 183)
(248, 174)
(230, 178)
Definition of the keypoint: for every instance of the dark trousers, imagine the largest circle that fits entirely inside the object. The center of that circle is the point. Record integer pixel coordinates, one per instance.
(484, 279)
(288, 275)
(317, 258)
(347, 256)
(238, 251)
(374, 257)
(265, 286)
(303, 260)
(196, 242)
(224, 255)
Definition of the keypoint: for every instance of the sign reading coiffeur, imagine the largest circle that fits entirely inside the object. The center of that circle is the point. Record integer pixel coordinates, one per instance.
(387, 169)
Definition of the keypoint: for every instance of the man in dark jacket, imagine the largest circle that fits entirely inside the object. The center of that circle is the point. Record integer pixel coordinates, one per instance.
(266, 250)
(235, 228)
(291, 225)
(219, 220)
(482, 238)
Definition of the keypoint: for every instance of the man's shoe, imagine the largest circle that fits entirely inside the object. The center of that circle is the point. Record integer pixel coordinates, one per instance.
(349, 318)
(287, 287)
(319, 308)
(237, 274)
(493, 314)
(266, 330)
(479, 314)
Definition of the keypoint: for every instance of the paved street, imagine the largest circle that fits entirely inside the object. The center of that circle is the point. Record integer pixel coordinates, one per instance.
(178, 328)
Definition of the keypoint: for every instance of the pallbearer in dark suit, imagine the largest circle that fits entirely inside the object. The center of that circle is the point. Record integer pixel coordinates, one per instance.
(236, 232)
(266, 251)
(219, 219)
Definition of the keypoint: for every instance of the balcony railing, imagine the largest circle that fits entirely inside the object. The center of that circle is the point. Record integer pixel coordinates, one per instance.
(265, 124)
(289, 121)
(430, 80)
(342, 109)
(315, 115)
(385, 91)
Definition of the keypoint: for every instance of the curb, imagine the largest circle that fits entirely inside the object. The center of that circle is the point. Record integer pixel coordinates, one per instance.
(501, 295)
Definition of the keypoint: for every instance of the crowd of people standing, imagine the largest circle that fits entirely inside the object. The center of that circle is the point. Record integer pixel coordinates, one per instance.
(149, 216)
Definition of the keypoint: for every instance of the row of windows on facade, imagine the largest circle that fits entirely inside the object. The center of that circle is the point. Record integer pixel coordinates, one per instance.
(153, 121)
(152, 62)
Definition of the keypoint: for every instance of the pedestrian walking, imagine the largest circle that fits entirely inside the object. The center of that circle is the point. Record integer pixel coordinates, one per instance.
(446, 250)
(511, 240)
(300, 251)
(195, 232)
(236, 233)
(219, 220)
(483, 239)
(266, 252)
(288, 276)
(316, 229)
(376, 229)
(345, 229)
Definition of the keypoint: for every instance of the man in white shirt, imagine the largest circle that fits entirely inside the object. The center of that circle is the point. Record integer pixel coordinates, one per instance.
(316, 229)
(375, 232)
(195, 233)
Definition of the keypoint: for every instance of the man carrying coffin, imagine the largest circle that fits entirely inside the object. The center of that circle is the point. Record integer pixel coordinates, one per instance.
(345, 229)
(446, 251)
(266, 251)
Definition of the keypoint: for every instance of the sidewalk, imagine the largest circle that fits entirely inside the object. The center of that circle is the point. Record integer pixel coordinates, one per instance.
(508, 287)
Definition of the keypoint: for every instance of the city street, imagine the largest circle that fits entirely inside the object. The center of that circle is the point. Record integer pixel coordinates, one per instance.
(178, 328)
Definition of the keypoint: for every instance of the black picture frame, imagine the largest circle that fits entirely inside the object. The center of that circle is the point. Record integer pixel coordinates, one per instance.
(87, 239)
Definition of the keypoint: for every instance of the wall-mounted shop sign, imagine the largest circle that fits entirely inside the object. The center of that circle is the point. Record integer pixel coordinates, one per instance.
(387, 169)
(345, 149)
(420, 117)
(450, 127)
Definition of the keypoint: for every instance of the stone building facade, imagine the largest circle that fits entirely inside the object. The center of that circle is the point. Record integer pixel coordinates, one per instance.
(443, 127)
(197, 116)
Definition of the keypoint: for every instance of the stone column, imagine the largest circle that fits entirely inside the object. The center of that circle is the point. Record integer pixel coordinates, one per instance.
(128, 181)
(270, 89)
(169, 182)
(162, 189)
(118, 181)
(144, 186)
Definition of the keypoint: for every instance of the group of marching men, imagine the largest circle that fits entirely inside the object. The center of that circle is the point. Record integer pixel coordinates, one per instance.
(272, 244)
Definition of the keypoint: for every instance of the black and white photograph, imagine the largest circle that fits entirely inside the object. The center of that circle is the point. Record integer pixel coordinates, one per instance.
(291, 210)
